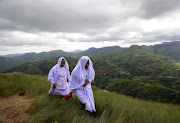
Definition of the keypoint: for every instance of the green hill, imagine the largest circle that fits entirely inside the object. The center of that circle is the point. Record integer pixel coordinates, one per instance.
(140, 63)
(140, 74)
(134, 63)
(42, 67)
(111, 107)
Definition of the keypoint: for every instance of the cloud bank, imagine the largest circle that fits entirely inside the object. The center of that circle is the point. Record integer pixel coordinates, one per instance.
(44, 25)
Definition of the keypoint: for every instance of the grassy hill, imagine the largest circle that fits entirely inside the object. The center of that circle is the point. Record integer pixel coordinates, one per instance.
(111, 107)
(132, 72)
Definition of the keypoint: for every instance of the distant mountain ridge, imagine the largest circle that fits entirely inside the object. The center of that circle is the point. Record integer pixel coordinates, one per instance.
(12, 55)
(133, 61)
(171, 49)
(8, 63)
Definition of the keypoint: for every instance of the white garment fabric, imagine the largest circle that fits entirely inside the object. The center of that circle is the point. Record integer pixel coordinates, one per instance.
(78, 77)
(59, 76)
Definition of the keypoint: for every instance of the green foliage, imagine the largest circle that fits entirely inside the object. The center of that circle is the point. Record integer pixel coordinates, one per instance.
(153, 92)
(140, 63)
(111, 107)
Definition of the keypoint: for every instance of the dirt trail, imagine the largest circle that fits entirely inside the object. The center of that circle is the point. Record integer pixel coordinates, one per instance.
(12, 109)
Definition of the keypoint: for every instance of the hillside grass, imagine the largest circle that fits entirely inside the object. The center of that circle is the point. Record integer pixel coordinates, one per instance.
(111, 107)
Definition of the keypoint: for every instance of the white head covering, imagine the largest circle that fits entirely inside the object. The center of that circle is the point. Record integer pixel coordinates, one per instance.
(66, 66)
(78, 73)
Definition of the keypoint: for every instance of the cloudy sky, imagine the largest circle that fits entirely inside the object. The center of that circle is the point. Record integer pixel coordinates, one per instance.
(44, 25)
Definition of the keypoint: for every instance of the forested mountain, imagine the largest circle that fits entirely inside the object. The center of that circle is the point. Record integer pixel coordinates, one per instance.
(131, 62)
(171, 49)
(101, 51)
(42, 67)
(139, 74)
(29, 57)
(7, 63)
(12, 55)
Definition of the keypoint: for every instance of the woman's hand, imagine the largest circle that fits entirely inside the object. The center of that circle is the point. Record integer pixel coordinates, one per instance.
(86, 83)
(54, 85)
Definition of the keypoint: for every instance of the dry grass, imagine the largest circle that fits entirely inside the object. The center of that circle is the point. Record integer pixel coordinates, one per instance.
(13, 109)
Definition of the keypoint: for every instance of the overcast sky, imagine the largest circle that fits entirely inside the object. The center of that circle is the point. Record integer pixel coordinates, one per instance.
(44, 25)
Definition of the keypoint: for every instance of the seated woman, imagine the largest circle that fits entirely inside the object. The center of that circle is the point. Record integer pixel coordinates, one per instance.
(59, 76)
(81, 78)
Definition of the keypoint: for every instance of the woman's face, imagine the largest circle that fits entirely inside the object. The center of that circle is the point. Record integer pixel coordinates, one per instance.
(62, 63)
(87, 65)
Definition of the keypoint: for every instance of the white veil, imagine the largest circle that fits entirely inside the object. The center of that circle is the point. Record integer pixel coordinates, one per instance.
(78, 73)
(53, 73)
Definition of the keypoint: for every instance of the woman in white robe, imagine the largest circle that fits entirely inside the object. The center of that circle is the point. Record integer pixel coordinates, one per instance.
(59, 76)
(81, 78)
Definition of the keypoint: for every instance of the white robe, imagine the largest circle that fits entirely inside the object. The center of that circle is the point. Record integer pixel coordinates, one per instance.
(78, 78)
(62, 87)
(59, 76)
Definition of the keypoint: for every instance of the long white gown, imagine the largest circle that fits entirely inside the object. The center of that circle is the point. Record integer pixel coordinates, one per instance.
(78, 77)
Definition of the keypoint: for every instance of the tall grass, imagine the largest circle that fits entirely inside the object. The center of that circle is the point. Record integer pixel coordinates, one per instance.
(111, 107)
(21, 83)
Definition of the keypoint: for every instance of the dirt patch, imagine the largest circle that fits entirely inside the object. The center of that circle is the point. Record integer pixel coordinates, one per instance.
(12, 109)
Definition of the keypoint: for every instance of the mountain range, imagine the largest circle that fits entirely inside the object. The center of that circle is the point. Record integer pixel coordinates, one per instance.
(10, 62)
(170, 49)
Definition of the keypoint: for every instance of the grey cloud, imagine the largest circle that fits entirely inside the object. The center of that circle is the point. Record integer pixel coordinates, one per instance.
(161, 38)
(63, 16)
(11, 39)
(91, 20)
(53, 15)
(155, 8)
(96, 39)
(16, 42)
